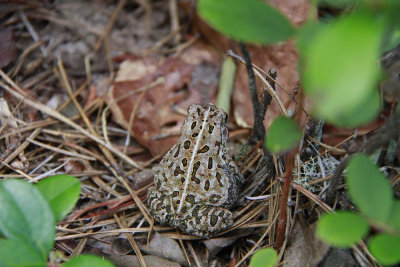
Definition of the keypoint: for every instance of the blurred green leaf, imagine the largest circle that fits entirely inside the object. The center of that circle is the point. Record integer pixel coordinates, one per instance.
(369, 189)
(339, 3)
(394, 219)
(26, 216)
(341, 229)
(88, 261)
(385, 248)
(264, 258)
(284, 134)
(308, 32)
(338, 68)
(390, 10)
(246, 20)
(62, 192)
(365, 111)
(19, 253)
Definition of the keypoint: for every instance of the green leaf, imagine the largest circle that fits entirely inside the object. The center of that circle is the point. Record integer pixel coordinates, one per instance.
(391, 9)
(341, 229)
(284, 134)
(88, 261)
(19, 253)
(369, 189)
(62, 192)
(246, 20)
(365, 111)
(339, 71)
(339, 3)
(385, 248)
(308, 32)
(394, 219)
(264, 258)
(26, 216)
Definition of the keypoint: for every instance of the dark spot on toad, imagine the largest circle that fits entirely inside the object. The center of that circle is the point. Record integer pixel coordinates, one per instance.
(210, 163)
(213, 220)
(210, 129)
(178, 171)
(177, 151)
(190, 199)
(184, 162)
(207, 185)
(186, 144)
(204, 149)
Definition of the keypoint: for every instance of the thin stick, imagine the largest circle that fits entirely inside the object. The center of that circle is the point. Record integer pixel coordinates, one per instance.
(61, 151)
(280, 232)
(258, 116)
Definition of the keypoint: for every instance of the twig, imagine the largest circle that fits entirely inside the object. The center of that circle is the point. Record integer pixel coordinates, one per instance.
(258, 129)
(32, 31)
(173, 11)
(266, 97)
(60, 150)
(280, 232)
(146, 5)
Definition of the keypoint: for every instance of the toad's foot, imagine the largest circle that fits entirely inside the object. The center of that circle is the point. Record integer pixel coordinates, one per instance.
(204, 220)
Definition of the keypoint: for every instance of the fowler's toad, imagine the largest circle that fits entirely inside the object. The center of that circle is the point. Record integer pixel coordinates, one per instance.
(197, 180)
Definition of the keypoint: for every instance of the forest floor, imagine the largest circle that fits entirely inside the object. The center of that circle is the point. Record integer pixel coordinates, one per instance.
(99, 90)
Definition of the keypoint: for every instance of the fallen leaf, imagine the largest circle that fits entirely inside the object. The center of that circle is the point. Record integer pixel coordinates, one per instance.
(191, 77)
(74, 166)
(141, 178)
(8, 48)
(165, 248)
(304, 248)
(339, 257)
(215, 245)
(121, 246)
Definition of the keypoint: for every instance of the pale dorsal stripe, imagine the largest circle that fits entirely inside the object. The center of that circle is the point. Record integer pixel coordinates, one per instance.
(191, 162)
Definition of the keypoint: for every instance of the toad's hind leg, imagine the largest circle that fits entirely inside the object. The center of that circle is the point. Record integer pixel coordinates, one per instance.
(207, 220)
(158, 205)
